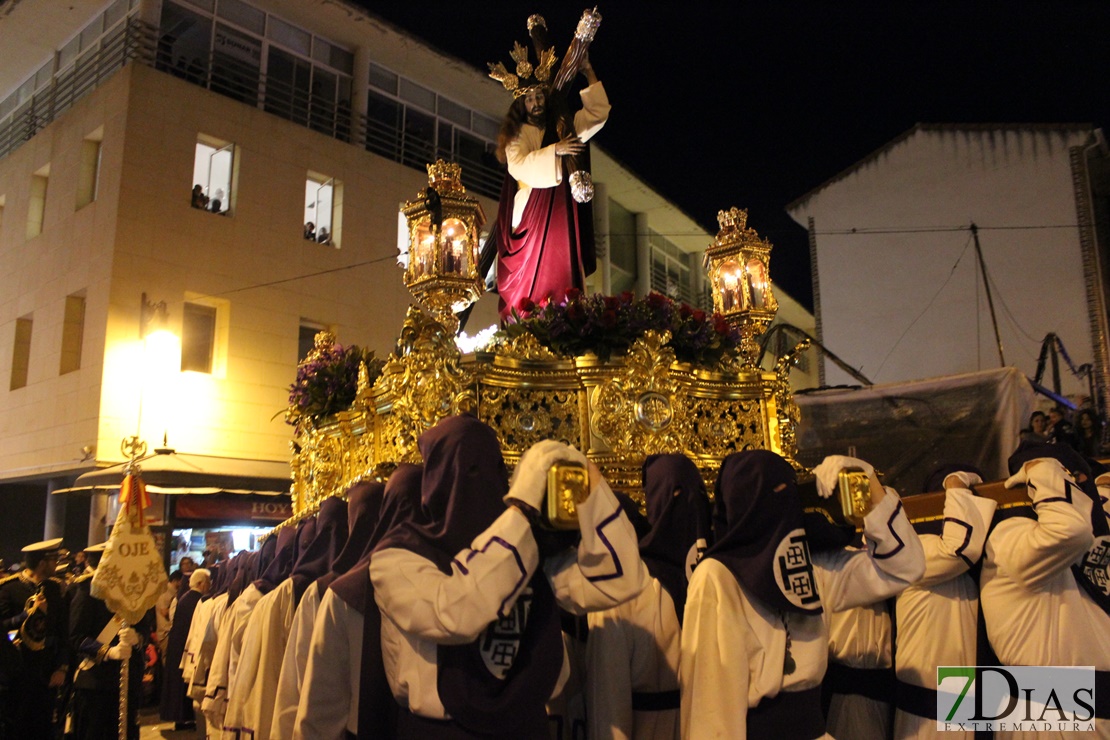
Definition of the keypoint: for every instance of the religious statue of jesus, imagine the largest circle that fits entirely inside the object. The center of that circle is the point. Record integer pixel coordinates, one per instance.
(544, 241)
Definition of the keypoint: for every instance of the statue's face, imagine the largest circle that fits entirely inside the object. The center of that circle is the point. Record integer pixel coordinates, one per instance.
(534, 102)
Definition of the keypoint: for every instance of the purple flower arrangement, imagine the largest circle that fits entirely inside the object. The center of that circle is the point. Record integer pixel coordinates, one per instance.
(608, 325)
(328, 382)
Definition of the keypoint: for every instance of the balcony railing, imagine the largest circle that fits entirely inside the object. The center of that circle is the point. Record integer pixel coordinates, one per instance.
(138, 41)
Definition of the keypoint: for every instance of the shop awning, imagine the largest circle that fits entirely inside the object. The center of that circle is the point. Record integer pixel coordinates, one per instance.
(171, 472)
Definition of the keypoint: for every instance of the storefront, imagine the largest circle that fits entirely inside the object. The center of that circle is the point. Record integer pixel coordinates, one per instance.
(197, 502)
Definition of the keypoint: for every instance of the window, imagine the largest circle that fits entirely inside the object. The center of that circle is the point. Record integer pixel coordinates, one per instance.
(73, 330)
(321, 216)
(21, 352)
(213, 166)
(198, 338)
(89, 173)
(306, 339)
(36, 211)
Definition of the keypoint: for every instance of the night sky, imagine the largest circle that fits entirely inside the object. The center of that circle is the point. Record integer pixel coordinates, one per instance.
(717, 104)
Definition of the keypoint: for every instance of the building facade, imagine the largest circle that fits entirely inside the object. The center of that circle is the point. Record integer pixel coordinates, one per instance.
(898, 281)
(160, 164)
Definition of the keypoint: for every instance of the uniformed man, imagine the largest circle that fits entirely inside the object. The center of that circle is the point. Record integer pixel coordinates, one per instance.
(32, 606)
(99, 641)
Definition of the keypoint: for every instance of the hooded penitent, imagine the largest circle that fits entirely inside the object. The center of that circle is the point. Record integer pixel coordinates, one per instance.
(316, 559)
(278, 569)
(678, 510)
(760, 532)
(1090, 572)
(364, 505)
(464, 484)
(399, 502)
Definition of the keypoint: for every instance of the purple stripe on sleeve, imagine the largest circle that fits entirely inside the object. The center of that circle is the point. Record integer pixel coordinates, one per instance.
(462, 568)
(890, 527)
(618, 569)
(967, 539)
(502, 610)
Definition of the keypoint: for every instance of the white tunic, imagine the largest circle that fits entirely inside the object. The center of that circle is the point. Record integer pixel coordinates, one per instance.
(634, 647)
(225, 660)
(193, 638)
(734, 646)
(422, 607)
(937, 617)
(537, 166)
(1036, 614)
(328, 705)
(859, 638)
(251, 701)
(294, 664)
(208, 632)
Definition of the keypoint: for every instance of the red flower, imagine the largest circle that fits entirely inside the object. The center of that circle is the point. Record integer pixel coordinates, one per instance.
(527, 305)
(699, 316)
(657, 300)
(572, 294)
(685, 311)
(721, 326)
(609, 319)
(612, 304)
(627, 297)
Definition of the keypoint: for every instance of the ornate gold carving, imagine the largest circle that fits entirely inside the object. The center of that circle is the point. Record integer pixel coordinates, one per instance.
(525, 347)
(638, 409)
(422, 383)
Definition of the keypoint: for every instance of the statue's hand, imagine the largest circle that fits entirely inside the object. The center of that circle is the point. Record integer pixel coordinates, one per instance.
(570, 145)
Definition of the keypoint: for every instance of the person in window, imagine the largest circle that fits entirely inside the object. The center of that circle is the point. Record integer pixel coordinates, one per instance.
(310, 231)
(217, 202)
(200, 200)
(322, 236)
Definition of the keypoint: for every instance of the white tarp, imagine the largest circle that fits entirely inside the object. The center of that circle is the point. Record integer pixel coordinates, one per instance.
(907, 430)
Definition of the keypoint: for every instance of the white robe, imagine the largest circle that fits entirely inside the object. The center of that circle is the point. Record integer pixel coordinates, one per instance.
(251, 696)
(537, 166)
(1036, 614)
(734, 646)
(190, 657)
(938, 616)
(422, 607)
(634, 647)
(859, 638)
(328, 705)
(225, 659)
(294, 665)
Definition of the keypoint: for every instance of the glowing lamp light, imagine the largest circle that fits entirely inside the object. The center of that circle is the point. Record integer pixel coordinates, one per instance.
(737, 266)
(443, 225)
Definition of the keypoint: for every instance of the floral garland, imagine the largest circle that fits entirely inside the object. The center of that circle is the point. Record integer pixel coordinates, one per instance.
(608, 325)
(327, 382)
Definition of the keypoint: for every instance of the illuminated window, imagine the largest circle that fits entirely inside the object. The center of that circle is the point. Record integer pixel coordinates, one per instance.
(213, 168)
(322, 213)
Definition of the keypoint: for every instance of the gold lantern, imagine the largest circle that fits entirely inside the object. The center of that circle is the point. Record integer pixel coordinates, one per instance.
(443, 224)
(737, 263)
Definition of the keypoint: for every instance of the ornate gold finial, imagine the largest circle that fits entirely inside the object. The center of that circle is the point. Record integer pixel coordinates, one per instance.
(446, 177)
(322, 342)
(536, 20)
(733, 219)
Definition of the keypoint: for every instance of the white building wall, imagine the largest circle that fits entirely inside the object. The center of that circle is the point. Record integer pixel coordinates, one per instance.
(901, 297)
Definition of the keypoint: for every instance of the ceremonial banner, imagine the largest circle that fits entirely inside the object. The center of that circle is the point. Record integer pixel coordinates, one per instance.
(130, 577)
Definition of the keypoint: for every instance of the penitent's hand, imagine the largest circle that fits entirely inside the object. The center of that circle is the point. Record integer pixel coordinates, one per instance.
(568, 146)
